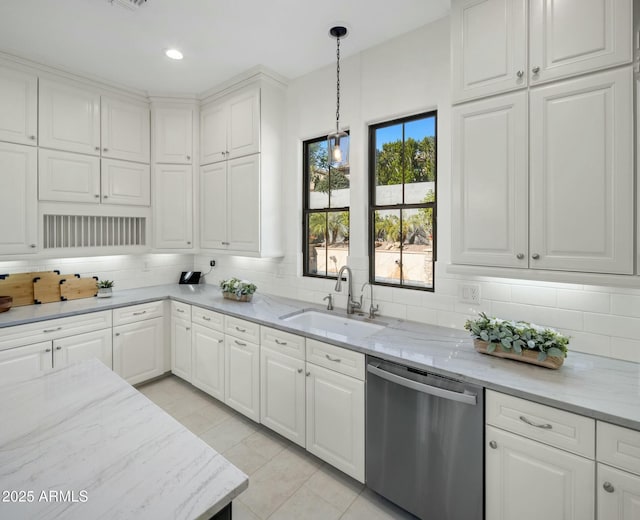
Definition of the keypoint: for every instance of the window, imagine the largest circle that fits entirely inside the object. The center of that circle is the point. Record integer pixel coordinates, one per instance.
(325, 212)
(402, 202)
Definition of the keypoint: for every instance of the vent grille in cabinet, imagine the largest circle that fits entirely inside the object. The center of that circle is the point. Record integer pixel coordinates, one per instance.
(85, 231)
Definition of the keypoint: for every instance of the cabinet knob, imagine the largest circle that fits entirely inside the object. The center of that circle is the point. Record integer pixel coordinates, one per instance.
(188, 157)
(117, 333)
(32, 137)
(188, 328)
(520, 256)
(32, 246)
(223, 153)
(299, 371)
(58, 348)
(520, 74)
(105, 149)
(47, 350)
(105, 196)
(493, 444)
(535, 256)
(97, 148)
(535, 70)
(188, 243)
(97, 195)
(608, 487)
(308, 374)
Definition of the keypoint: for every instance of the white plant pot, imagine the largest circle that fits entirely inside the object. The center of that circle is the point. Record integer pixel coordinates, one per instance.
(105, 292)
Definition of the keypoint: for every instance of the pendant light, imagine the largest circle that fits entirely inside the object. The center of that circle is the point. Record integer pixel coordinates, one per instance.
(338, 141)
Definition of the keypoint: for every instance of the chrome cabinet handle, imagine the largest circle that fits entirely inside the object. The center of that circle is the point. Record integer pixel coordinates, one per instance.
(535, 70)
(535, 256)
(180, 310)
(52, 330)
(139, 313)
(493, 444)
(608, 487)
(225, 243)
(206, 318)
(520, 74)
(337, 360)
(280, 342)
(520, 256)
(546, 426)
(240, 330)
(58, 348)
(240, 343)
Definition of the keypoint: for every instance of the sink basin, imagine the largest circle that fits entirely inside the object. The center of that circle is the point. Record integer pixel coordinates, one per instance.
(332, 326)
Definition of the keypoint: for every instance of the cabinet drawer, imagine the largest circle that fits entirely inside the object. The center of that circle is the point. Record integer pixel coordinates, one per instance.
(283, 342)
(144, 311)
(53, 329)
(335, 358)
(242, 329)
(558, 428)
(207, 318)
(181, 310)
(619, 447)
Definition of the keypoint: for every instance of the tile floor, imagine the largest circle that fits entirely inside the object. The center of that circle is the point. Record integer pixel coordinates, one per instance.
(285, 482)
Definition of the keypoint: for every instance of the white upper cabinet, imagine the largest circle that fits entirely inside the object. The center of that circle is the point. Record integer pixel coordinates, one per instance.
(230, 128)
(172, 135)
(570, 37)
(68, 177)
(243, 204)
(213, 206)
(582, 174)
(489, 47)
(18, 106)
(490, 182)
(125, 130)
(126, 183)
(173, 206)
(69, 118)
(18, 199)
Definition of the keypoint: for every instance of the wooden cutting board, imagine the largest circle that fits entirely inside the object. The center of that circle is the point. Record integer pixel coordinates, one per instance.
(46, 286)
(76, 288)
(19, 286)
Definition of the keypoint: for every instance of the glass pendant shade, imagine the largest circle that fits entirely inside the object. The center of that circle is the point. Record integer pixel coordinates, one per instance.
(338, 146)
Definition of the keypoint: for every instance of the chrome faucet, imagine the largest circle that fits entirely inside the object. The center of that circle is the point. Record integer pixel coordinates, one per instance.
(351, 304)
(373, 309)
(330, 304)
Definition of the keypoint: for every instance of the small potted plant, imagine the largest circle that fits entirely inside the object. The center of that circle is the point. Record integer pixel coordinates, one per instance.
(518, 340)
(105, 288)
(236, 289)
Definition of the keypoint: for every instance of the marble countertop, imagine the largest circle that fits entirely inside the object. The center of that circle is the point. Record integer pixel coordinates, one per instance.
(95, 447)
(594, 386)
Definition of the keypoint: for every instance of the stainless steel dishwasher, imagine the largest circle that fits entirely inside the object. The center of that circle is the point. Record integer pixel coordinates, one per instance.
(425, 442)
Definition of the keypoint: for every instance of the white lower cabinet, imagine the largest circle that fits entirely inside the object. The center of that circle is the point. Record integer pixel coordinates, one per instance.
(207, 360)
(242, 376)
(335, 419)
(73, 349)
(21, 363)
(282, 394)
(618, 494)
(181, 348)
(528, 480)
(138, 351)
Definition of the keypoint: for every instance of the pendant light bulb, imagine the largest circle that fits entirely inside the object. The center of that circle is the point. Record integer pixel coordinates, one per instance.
(337, 154)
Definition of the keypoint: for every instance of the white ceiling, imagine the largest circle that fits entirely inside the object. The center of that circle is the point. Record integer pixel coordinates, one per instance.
(219, 38)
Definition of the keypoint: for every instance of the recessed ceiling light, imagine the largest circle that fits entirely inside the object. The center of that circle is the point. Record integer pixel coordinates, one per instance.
(174, 54)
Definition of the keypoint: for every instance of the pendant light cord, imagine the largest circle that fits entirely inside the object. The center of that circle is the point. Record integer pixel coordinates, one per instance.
(338, 85)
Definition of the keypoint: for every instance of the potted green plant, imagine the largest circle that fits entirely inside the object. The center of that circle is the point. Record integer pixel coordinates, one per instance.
(236, 289)
(518, 340)
(105, 288)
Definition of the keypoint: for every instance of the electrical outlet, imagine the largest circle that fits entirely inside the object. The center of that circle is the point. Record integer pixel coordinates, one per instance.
(212, 263)
(469, 293)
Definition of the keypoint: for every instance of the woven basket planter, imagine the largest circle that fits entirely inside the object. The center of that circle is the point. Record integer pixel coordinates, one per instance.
(527, 356)
(233, 296)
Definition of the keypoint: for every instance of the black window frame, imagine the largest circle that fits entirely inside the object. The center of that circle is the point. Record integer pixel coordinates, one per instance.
(373, 208)
(307, 211)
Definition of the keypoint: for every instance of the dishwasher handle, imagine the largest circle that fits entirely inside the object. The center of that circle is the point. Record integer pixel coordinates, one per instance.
(465, 397)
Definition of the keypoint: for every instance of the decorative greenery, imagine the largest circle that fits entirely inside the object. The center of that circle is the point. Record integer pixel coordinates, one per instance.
(105, 284)
(238, 287)
(514, 336)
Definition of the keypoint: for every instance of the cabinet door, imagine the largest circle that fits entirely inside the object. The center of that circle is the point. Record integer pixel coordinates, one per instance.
(68, 177)
(243, 136)
(490, 182)
(243, 203)
(488, 47)
(126, 183)
(138, 350)
(18, 199)
(335, 419)
(96, 344)
(213, 133)
(282, 394)
(576, 36)
(125, 130)
(213, 206)
(582, 174)
(173, 205)
(181, 348)
(618, 494)
(172, 135)
(18, 106)
(527, 480)
(207, 368)
(22, 363)
(69, 118)
(242, 377)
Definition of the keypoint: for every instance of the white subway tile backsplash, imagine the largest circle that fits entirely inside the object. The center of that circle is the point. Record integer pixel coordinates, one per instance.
(422, 315)
(627, 349)
(626, 305)
(530, 295)
(588, 343)
(407, 296)
(495, 291)
(610, 325)
(588, 301)
(453, 319)
(544, 316)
